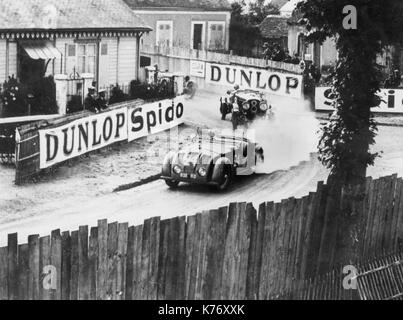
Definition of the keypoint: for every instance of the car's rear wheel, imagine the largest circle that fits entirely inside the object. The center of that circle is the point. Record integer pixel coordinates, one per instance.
(226, 179)
(172, 183)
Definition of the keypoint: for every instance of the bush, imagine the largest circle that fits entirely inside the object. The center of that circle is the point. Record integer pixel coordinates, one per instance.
(40, 96)
(14, 98)
(118, 95)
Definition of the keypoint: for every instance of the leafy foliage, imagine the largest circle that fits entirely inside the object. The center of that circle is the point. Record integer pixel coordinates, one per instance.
(244, 30)
(346, 139)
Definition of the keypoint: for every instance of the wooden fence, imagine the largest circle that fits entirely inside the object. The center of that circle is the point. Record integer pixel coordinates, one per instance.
(215, 57)
(235, 252)
(378, 279)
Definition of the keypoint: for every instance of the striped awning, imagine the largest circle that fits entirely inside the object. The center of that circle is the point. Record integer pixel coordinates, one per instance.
(38, 49)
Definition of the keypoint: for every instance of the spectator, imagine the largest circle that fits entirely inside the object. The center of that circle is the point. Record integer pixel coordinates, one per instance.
(90, 103)
(102, 102)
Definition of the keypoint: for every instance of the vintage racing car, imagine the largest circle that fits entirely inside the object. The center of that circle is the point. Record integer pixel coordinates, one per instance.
(251, 104)
(212, 160)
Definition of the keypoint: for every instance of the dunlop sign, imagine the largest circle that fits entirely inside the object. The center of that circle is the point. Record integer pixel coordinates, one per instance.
(98, 131)
(282, 84)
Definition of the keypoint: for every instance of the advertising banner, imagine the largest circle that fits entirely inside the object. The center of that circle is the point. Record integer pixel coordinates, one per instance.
(277, 83)
(81, 136)
(197, 68)
(97, 131)
(391, 100)
(155, 117)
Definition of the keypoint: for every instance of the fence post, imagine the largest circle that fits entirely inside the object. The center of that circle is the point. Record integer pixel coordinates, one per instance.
(61, 93)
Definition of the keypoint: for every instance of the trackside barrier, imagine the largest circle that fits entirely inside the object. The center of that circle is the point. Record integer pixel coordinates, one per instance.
(234, 252)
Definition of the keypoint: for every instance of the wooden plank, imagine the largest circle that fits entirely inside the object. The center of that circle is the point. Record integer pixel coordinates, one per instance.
(83, 268)
(56, 262)
(373, 192)
(123, 230)
(66, 266)
(257, 247)
(181, 260)
(13, 266)
(44, 263)
(130, 264)
(250, 290)
(266, 274)
(192, 243)
(137, 263)
(386, 227)
(112, 261)
(169, 259)
(377, 217)
(202, 256)
(365, 214)
(23, 270)
(102, 277)
(399, 224)
(215, 254)
(154, 255)
(246, 249)
(93, 263)
(231, 259)
(4, 273)
(74, 266)
(163, 259)
(396, 214)
(33, 275)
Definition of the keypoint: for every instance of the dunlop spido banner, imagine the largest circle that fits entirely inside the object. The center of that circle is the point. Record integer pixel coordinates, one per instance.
(58, 144)
(277, 83)
(391, 100)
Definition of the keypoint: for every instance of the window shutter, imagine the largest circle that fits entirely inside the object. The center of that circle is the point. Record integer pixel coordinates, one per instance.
(71, 54)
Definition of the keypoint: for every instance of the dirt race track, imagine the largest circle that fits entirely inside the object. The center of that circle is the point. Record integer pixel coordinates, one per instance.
(82, 194)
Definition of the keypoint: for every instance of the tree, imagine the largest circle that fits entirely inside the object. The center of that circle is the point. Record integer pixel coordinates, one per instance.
(245, 20)
(242, 33)
(259, 10)
(346, 140)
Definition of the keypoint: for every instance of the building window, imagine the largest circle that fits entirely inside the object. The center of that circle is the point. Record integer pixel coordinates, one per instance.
(86, 57)
(216, 35)
(164, 34)
(71, 50)
(198, 35)
(104, 49)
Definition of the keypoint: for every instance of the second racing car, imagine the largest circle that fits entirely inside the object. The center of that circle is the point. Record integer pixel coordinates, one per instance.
(245, 105)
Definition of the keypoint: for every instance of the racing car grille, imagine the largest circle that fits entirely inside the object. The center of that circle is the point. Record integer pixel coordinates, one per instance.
(188, 169)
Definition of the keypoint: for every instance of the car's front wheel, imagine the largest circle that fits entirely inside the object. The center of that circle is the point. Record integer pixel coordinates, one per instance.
(172, 183)
(226, 179)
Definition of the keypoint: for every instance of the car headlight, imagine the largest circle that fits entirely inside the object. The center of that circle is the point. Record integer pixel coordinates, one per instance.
(202, 172)
(177, 169)
(246, 106)
(263, 107)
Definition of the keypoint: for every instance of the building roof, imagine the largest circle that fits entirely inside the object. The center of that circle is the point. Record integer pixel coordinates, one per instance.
(278, 3)
(274, 27)
(68, 15)
(192, 5)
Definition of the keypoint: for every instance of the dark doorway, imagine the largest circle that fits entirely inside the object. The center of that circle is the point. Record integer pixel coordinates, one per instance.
(30, 70)
(197, 36)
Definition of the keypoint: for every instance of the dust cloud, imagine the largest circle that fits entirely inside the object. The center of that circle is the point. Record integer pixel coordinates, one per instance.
(290, 137)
